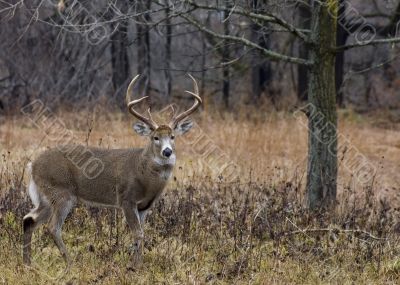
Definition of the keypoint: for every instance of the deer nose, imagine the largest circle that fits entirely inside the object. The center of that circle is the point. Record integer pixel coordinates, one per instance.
(167, 152)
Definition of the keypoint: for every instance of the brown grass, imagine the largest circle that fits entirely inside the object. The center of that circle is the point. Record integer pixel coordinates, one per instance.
(206, 230)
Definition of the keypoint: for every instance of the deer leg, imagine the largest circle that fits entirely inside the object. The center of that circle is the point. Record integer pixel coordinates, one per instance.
(142, 217)
(132, 217)
(31, 221)
(61, 210)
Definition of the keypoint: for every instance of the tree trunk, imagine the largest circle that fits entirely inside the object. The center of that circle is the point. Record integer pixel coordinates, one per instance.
(261, 74)
(302, 71)
(341, 38)
(322, 146)
(167, 72)
(203, 64)
(261, 70)
(119, 58)
(225, 68)
(143, 51)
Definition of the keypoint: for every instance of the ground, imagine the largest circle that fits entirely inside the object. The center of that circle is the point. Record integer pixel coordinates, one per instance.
(245, 225)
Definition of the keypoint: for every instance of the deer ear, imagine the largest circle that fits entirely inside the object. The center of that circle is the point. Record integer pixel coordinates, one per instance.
(142, 129)
(183, 127)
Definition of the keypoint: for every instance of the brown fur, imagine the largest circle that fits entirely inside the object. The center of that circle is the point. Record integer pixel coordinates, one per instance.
(128, 179)
(131, 180)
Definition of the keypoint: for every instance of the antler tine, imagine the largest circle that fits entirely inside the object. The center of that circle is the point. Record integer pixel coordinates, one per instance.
(131, 104)
(196, 104)
(150, 116)
(173, 110)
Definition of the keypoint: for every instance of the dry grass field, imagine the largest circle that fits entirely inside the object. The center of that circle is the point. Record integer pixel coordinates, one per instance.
(206, 229)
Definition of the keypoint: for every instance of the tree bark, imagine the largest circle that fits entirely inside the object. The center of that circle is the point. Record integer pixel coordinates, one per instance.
(341, 38)
(261, 68)
(225, 68)
(143, 50)
(322, 147)
(168, 54)
(119, 58)
(204, 61)
(302, 71)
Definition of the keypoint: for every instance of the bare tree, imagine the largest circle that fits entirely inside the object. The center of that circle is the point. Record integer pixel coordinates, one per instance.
(168, 52)
(204, 60)
(225, 59)
(322, 138)
(261, 67)
(143, 45)
(321, 39)
(302, 71)
(119, 53)
(81, 68)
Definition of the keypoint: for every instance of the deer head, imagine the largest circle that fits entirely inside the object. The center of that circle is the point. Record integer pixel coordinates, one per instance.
(162, 137)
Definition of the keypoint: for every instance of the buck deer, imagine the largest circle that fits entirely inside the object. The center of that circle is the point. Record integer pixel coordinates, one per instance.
(131, 180)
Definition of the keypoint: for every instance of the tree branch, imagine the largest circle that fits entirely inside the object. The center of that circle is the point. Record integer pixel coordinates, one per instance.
(367, 43)
(266, 52)
(264, 18)
(390, 29)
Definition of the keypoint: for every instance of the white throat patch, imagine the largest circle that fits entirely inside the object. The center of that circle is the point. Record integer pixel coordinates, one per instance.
(166, 173)
(165, 161)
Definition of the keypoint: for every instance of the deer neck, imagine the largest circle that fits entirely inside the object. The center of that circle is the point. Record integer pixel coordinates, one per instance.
(156, 166)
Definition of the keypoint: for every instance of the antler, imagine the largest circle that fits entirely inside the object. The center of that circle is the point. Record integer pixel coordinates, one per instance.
(149, 121)
(176, 119)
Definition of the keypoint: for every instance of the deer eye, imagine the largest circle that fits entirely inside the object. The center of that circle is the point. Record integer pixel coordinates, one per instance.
(156, 138)
(172, 137)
